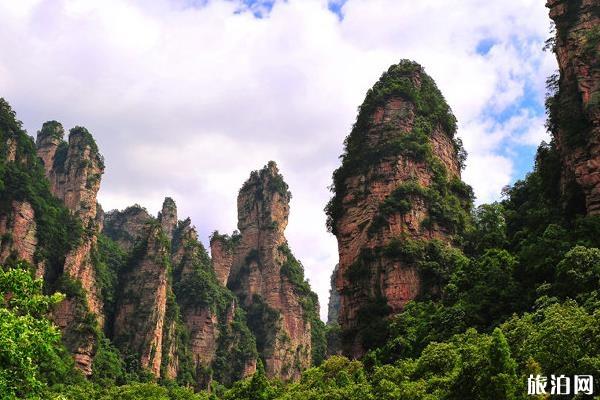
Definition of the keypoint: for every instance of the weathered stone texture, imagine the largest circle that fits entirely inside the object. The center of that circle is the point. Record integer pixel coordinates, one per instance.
(577, 46)
(263, 209)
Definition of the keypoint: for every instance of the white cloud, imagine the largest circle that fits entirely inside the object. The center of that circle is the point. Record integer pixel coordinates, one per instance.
(186, 100)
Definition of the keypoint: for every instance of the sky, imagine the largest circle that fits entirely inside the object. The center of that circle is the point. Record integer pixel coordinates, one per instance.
(186, 97)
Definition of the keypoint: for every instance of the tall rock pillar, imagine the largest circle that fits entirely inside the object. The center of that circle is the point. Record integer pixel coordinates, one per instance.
(399, 182)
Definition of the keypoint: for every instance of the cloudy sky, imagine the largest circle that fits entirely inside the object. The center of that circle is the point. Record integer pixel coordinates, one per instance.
(186, 97)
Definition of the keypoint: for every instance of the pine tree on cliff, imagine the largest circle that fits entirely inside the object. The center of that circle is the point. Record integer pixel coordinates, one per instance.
(398, 199)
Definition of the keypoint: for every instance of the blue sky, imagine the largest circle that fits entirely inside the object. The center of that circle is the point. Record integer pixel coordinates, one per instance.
(186, 97)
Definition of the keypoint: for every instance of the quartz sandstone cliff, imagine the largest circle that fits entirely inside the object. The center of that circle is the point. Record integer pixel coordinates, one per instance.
(142, 305)
(333, 307)
(260, 275)
(172, 313)
(74, 169)
(18, 232)
(400, 167)
(575, 109)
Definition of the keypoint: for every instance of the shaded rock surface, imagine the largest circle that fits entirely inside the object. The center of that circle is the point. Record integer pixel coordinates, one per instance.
(18, 232)
(574, 118)
(333, 307)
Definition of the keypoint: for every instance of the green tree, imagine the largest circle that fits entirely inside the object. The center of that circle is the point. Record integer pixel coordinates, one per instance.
(502, 368)
(27, 337)
(578, 274)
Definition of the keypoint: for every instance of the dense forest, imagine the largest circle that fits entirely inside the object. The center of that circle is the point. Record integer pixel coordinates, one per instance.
(438, 299)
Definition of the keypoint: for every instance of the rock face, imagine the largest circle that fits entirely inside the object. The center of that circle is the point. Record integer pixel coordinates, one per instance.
(18, 232)
(127, 226)
(74, 170)
(165, 309)
(575, 109)
(221, 250)
(172, 314)
(262, 276)
(168, 217)
(142, 305)
(333, 308)
(399, 181)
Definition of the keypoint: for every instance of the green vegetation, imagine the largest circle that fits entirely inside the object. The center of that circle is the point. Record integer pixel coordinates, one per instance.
(24, 181)
(516, 291)
(229, 241)
(450, 199)
(236, 348)
(293, 270)
(275, 183)
(31, 356)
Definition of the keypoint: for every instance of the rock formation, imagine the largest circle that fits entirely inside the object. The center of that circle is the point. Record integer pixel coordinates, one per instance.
(172, 314)
(126, 227)
(142, 305)
(221, 250)
(399, 181)
(18, 232)
(168, 217)
(266, 277)
(333, 308)
(74, 170)
(574, 117)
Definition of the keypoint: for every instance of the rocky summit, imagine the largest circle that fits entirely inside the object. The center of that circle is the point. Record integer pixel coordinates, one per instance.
(268, 280)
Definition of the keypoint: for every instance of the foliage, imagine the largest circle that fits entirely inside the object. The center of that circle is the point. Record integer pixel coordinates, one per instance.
(489, 229)
(236, 349)
(28, 340)
(108, 260)
(431, 111)
(57, 230)
(263, 322)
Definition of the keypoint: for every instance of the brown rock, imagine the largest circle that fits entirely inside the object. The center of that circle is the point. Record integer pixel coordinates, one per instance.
(18, 232)
(168, 217)
(256, 273)
(140, 313)
(74, 170)
(79, 266)
(368, 213)
(126, 227)
(221, 251)
(47, 142)
(575, 114)
(68, 315)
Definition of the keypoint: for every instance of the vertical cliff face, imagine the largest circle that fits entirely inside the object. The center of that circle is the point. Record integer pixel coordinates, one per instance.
(221, 250)
(18, 231)
(140, 312)
(399, 182)
(333, 307)
(74, 170)
(574, 118)
(172, 314)
(208, 311)
(168, 217)
(267, 279)
(126, 227)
